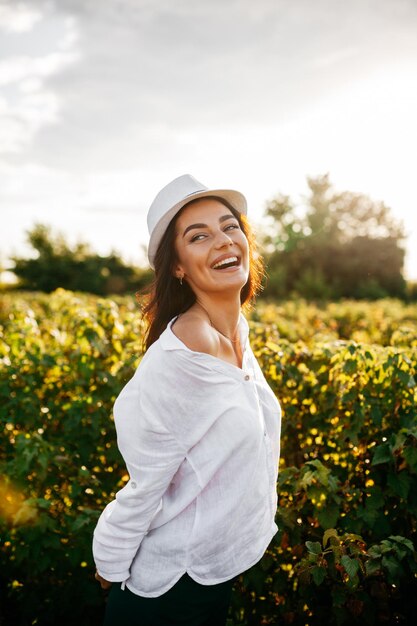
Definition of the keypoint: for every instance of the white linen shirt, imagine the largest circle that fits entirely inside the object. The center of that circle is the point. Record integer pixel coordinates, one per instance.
(200, 438)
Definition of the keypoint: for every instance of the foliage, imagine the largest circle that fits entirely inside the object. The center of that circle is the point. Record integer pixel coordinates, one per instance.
(343, 245)
(345, 550)
(411, 291)
(385, 322)
(344, 553)
(58, 265)
(63, 361)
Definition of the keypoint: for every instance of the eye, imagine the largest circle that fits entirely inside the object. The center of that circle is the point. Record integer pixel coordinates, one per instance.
(197, 237)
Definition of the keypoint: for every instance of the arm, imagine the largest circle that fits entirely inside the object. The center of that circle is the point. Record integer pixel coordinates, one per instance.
(152, 456)
(168, 406)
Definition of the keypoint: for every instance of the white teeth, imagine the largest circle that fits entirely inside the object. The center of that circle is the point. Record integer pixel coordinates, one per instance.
(230, 259)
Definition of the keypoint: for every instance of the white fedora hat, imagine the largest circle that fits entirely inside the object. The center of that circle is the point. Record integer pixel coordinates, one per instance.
(173, 197)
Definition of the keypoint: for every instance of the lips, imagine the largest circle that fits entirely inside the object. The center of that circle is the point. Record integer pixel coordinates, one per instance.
(223, 257)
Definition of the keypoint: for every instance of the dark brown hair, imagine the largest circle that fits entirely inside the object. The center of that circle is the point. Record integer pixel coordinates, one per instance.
(165, 298)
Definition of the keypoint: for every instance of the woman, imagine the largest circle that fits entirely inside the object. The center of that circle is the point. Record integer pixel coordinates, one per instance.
(197, 425)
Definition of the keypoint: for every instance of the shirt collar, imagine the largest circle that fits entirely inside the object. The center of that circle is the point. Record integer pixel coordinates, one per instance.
(169, 341)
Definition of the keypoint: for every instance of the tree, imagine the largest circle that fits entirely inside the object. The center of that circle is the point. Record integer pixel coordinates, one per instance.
(79, 268)
(344, 244)
(346, 215)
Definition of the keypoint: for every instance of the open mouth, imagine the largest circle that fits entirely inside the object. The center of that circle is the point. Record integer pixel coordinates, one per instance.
(231, 261)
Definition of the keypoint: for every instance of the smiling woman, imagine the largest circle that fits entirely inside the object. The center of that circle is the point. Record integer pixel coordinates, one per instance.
(213, 259)
(194, 232)
(197, 425)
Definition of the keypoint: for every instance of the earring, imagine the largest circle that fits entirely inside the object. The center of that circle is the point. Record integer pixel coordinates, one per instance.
(181, 281)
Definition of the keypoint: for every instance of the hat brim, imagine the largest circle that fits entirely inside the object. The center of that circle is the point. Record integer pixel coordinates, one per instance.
(236, 199)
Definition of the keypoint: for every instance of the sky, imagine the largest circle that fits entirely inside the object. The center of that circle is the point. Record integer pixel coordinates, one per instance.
(104, 103)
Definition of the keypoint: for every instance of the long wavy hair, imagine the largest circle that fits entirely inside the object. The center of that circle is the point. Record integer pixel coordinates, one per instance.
(165, 298)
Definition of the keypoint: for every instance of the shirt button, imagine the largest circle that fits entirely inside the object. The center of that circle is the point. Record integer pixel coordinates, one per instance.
(133, 484)
(247, 377)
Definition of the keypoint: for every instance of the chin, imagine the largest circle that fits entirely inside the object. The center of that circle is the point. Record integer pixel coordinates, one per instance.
(234, 282)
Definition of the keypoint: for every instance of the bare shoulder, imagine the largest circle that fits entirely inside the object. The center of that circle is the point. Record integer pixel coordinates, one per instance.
(196, 333)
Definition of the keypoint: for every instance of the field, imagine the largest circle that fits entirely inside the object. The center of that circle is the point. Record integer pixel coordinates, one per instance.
(345, 374)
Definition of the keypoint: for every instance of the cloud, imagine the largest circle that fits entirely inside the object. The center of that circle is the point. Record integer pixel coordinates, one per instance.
(120, 84)
(151, 68)
(124, 79)
(22, 117)
(18, 69)
(27, 101)
(18, 17)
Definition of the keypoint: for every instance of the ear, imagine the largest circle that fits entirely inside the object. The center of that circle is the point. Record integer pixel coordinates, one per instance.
(178, 271)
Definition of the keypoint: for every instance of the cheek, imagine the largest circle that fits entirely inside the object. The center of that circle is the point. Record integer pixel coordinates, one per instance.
(191, 257)
(243, 242)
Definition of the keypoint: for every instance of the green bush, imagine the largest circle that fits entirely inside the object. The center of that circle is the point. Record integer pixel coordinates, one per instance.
(344, 553)
(345, 550)
(63, 359)
(386, 322)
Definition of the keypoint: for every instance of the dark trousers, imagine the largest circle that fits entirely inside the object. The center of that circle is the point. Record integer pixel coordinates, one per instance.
(187, 603)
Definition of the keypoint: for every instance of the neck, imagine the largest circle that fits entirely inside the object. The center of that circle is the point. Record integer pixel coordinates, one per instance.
(223, 312)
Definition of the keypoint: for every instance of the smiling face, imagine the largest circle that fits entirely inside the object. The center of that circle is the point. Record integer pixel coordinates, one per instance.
(212, 250)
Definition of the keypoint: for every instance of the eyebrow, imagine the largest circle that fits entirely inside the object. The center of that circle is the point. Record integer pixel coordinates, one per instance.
(223, 218)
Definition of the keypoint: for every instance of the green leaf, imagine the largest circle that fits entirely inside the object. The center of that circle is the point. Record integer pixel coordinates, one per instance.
(370, 514)
(307, 479)
(330, 532)
(353, 537)
(410, 455)
(328, 516)
(373, 567)
(350, 366)
(382, 454)
(403, 541)
(375, 500)
(318, 574)
(313, 547)
(400, 483)
(376, 415)
(392, 566)
(405, 378)
(351, 565)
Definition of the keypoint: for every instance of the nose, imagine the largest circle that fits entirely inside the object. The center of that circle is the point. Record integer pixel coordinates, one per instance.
(223, 239)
